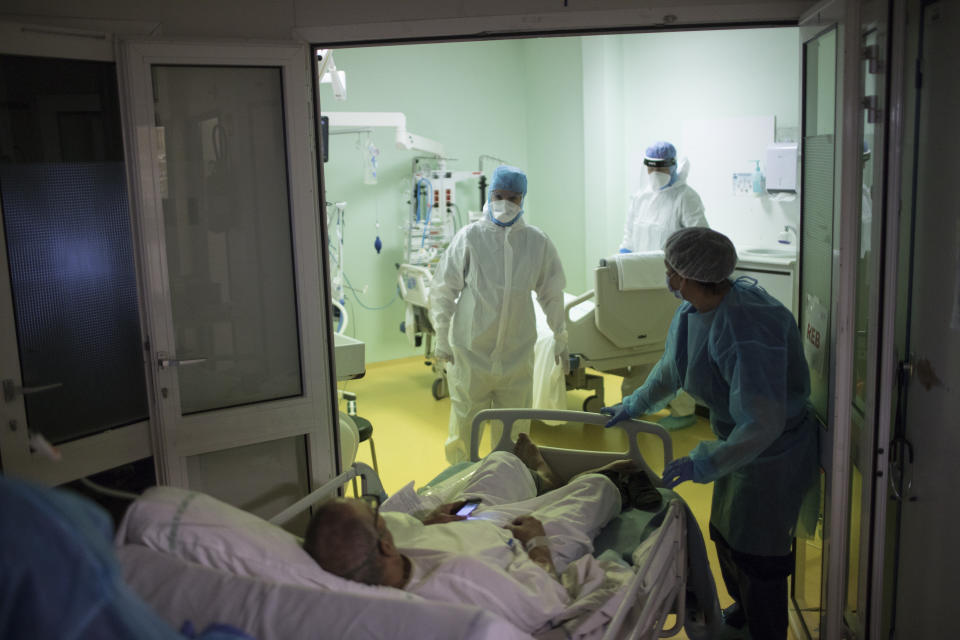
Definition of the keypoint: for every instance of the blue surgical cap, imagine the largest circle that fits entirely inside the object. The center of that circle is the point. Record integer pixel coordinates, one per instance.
(662, 154)
(509, 178)
(701, 254)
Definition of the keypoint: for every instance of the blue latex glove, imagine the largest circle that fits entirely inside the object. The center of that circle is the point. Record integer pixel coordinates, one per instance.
(624, 250)
(618, 412)
(677, 471)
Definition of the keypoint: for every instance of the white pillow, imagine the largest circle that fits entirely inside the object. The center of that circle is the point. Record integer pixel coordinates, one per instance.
(179, 591)
(199, 528)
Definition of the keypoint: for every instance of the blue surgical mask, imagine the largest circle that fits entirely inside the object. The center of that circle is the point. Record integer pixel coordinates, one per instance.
(675, 292)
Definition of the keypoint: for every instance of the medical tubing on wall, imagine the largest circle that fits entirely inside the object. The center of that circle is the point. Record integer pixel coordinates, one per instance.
(356, 296)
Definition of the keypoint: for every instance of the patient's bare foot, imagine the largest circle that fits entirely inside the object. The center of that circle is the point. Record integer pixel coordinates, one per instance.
(529, 454)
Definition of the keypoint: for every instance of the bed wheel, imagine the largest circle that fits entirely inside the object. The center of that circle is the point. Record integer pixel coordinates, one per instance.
(439, 389)
(593, 404)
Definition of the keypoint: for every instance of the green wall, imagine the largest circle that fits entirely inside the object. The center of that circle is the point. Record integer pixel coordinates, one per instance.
(468, 96)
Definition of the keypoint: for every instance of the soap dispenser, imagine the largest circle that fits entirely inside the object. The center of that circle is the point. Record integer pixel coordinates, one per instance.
(757, 180)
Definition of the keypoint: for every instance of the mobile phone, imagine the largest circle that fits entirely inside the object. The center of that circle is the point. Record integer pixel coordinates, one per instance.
(468, 507)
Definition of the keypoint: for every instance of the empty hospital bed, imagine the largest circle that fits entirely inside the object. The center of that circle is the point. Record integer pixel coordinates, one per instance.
(622, 322)
(192, 557)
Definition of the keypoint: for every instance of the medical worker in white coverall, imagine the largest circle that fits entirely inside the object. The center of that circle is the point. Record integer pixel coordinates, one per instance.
(482, 311)
(664, 205)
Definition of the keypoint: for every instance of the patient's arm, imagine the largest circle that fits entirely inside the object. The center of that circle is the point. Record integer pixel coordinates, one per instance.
(445, 513)
(528, 529)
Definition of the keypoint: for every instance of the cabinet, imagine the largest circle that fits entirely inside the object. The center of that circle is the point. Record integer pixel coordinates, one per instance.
(776, 275)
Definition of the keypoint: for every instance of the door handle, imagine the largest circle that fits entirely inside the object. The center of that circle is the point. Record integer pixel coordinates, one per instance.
(11, 390)
(166, 363)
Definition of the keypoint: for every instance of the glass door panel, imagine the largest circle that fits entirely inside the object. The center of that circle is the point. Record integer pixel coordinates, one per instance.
(816, 276)
(226, 210)
(229, 215)
(72, 361)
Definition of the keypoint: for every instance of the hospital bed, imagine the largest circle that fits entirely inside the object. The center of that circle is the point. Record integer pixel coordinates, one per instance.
(192, 557)
(622, 322)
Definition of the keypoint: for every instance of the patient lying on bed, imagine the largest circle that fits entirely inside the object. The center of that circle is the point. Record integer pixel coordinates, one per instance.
(523, 553)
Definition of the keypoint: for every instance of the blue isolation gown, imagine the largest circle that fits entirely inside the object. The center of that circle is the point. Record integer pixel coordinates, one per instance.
(744, 360)
(59, 577)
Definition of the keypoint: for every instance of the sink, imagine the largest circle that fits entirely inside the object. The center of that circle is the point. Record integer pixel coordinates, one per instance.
(769, 252)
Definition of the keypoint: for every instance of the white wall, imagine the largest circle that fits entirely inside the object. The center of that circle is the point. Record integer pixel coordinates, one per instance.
(646, 87)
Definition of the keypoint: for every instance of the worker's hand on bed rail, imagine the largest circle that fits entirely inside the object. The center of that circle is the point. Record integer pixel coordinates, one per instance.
(677, 471)
(619, 413)
(445, 513)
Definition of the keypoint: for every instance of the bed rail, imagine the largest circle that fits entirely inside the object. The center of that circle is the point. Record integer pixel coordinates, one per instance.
(369, 483)
(568, 462)
(659, 586)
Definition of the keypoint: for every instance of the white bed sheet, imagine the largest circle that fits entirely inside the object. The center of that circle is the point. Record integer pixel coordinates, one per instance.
(182, 591)
(193, 557)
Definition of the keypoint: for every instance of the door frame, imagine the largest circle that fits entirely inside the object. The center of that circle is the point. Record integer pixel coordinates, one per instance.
(313, 413)
(836, 441)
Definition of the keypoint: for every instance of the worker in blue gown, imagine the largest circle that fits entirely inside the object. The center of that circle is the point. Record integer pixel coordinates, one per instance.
(738, 351)
(59, 577)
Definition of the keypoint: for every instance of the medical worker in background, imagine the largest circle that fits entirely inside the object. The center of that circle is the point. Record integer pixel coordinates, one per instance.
(666, 204)
(738, 351)
(482, 311)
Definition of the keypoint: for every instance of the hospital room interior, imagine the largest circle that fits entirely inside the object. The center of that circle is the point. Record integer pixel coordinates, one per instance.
(232, 294)
(576, 114)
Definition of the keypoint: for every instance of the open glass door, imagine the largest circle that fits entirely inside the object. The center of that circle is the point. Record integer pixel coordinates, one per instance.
(75, 398)
(819, 78)
(228, 218)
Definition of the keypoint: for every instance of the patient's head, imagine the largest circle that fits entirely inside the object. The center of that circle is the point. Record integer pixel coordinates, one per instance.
(349, 538)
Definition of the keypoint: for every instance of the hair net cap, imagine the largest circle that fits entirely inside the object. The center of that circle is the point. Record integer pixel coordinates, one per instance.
(701, 254)
(660, 154)
(509, 178)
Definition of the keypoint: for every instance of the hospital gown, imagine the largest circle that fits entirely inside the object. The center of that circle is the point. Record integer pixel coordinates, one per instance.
(744, 360)
(479, 562)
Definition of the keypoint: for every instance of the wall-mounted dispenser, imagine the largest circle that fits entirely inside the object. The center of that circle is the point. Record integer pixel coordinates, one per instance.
(782, 167)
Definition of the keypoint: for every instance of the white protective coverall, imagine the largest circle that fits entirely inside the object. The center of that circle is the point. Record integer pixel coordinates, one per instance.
(478, 562)
(652, 217)
(482, 311)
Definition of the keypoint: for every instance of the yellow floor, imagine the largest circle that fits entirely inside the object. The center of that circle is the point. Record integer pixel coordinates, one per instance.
(409, 428)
